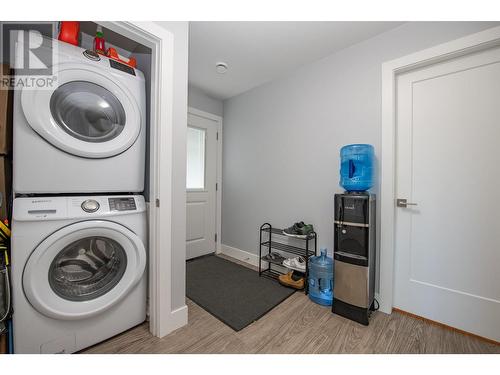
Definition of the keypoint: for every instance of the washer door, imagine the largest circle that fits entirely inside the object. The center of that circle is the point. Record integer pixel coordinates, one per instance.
(83, 269)
(88, 114)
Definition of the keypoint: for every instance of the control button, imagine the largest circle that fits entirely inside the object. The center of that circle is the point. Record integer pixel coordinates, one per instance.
(91, 55)
(90, 205)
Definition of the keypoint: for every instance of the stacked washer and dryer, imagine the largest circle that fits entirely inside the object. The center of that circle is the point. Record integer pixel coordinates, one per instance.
(79, 225)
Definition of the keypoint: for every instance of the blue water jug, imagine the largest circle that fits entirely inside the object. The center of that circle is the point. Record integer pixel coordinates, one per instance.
(320, 279)
(356, 167)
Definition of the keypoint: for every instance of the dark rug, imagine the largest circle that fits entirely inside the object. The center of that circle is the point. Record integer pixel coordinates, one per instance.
(234, 294)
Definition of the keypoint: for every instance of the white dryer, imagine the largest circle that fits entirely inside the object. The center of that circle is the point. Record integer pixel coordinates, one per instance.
(86, 134)
(78, 270)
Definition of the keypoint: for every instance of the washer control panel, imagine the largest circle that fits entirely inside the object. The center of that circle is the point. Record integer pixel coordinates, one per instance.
(122, 204)
(90, 205)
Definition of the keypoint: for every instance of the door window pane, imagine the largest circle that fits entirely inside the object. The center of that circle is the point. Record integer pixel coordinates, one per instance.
(195, 158)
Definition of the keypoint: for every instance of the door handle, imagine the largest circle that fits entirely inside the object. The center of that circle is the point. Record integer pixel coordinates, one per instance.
(404, 203)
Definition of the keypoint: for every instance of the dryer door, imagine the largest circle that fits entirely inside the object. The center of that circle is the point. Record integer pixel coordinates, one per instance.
(88, 114)
(83, 269)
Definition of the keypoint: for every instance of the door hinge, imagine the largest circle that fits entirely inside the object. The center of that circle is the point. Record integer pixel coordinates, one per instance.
(157, 202)
(215, 237)
(217, 136)
(216, 186)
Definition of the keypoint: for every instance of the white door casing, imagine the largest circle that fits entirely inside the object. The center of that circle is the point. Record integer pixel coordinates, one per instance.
(201, 203)
(163, 317)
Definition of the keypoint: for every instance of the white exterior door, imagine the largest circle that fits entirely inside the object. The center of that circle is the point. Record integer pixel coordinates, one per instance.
(447, 262)
(200, 185)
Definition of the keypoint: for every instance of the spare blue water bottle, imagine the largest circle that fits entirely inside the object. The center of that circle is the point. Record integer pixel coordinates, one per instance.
(320, 279)
(356, 167)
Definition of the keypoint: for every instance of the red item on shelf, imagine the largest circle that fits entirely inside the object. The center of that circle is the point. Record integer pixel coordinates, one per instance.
(112, 54)
(69, 32)
(99, 43)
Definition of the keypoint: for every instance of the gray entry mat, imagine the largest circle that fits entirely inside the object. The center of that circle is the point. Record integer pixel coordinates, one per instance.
(234, 294)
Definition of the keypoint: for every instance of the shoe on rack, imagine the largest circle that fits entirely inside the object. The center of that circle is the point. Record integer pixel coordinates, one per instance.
(290, 281)
(299, 230)
(297, 264)
(294, 230)
(274, 257)
(306, 229)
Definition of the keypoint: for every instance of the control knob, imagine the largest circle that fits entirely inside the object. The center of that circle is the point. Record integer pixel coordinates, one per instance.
(90, 205)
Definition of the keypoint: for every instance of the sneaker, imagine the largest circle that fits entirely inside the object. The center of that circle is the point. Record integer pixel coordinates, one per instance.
(299, 230)
(291, 281)
(307, 229)
(274, 257)
(297, 264)
(295, 230)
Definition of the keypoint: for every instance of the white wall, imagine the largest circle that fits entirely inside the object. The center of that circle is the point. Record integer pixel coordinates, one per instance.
(199, 100)
(282, 139)
(180, 31)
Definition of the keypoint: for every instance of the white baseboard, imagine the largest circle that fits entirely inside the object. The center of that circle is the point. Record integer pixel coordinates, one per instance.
(241, 255)
(180, 316)
(381, 306)
(178, 319)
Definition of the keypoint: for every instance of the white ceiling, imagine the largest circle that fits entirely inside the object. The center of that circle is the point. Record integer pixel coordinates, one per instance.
(258, 52)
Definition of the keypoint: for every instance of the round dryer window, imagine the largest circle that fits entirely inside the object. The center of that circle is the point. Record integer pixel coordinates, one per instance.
(87, 111)
(87, 268)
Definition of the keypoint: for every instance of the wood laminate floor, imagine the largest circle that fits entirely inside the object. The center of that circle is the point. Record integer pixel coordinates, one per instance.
(298, 325)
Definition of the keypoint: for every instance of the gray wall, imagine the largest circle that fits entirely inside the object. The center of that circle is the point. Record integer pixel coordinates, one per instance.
(144, 65)
(282, 139)
(199, 100)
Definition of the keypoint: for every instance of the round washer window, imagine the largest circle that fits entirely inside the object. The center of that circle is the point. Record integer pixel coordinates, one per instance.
(87, 268)
(87, 111)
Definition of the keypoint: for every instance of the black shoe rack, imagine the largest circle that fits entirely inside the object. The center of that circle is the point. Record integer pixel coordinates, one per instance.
(272, 239)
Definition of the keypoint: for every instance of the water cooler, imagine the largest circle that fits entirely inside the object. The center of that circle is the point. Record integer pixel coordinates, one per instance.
(354, 254)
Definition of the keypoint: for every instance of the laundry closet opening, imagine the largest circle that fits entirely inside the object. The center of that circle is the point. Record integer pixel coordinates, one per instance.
(80, 199)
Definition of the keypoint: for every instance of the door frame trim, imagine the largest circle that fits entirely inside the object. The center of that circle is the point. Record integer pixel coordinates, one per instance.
(218, 177)
(463, 46)
(163, 317)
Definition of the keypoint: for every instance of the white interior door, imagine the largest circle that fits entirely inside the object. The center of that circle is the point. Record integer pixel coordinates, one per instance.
(201, 189)
(447, 262)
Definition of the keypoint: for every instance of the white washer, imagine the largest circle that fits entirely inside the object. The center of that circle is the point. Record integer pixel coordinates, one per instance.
(84, 135)
(78, 270)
